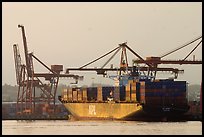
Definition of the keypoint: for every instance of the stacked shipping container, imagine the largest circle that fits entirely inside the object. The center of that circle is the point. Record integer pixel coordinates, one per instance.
(156, 93)
(163, 93)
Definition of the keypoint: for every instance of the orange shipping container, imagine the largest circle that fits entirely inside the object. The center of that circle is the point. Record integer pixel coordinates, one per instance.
(74, 95)
(79, 95)
(84, 94)
(69, 94)
(127, 90)
(99, 93)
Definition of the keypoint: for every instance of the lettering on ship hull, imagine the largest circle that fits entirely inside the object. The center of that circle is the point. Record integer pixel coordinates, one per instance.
(92, 109)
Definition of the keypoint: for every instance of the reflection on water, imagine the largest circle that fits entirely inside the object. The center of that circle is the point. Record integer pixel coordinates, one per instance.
(63, 127)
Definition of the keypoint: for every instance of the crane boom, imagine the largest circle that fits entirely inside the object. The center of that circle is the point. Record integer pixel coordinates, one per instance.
(181, 47)
(27, 58)
(17, 59)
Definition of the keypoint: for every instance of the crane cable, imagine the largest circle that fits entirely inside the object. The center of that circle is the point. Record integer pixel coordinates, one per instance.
(181, 46)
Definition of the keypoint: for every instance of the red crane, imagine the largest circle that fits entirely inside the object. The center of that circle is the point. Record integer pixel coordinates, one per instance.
(28, 81)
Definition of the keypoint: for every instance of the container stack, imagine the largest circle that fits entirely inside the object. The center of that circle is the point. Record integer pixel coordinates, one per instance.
(133, 91)
(106, 92)
(163, 93)
(122, 93)
(84, 94)
(79, 95)
(142, 91)
(116, 93)
(70, 94)
(65, 95)
(74, 95)
(138, 91)
(127, 92)
(154, 92)
(92, 93)
(99, 94)
(178, 90)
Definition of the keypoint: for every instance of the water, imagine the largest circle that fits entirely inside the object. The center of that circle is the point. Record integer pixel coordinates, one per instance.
(65, 127)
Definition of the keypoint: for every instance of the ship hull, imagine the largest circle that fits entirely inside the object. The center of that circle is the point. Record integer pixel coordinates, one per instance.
(119, 111)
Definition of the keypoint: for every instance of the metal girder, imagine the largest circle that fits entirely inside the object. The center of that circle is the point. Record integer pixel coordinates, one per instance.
(129, 69)
(169, 61)
(17, 60)
(172, 51)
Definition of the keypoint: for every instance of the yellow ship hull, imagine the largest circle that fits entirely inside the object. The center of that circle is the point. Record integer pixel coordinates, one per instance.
(105, 110)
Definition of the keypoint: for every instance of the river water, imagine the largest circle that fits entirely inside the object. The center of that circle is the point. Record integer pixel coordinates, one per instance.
(65, 127)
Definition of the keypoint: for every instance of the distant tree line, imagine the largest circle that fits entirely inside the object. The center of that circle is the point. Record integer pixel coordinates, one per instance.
(194, 92)
(9, 93)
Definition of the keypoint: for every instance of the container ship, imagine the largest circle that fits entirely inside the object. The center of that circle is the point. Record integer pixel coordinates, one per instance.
(132, 99)
(136, 95)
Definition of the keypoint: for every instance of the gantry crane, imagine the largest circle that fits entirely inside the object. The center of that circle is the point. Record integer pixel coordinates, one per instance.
(155, 61)
(28, 80)
(151, 63)
(124, 67)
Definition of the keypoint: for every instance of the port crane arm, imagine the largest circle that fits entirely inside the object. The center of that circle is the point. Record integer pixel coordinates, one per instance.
(43, 64)
(169, 61)
(192, 50)
(136, 54)
(123, 45)
(111, 58)
(27, 59)
(123, 65)
(129, 69)
(181, 47)
(183, 61)
(17, 60)
(98, 58)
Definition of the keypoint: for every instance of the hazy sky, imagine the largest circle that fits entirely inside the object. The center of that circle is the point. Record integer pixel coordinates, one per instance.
(73, 34)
